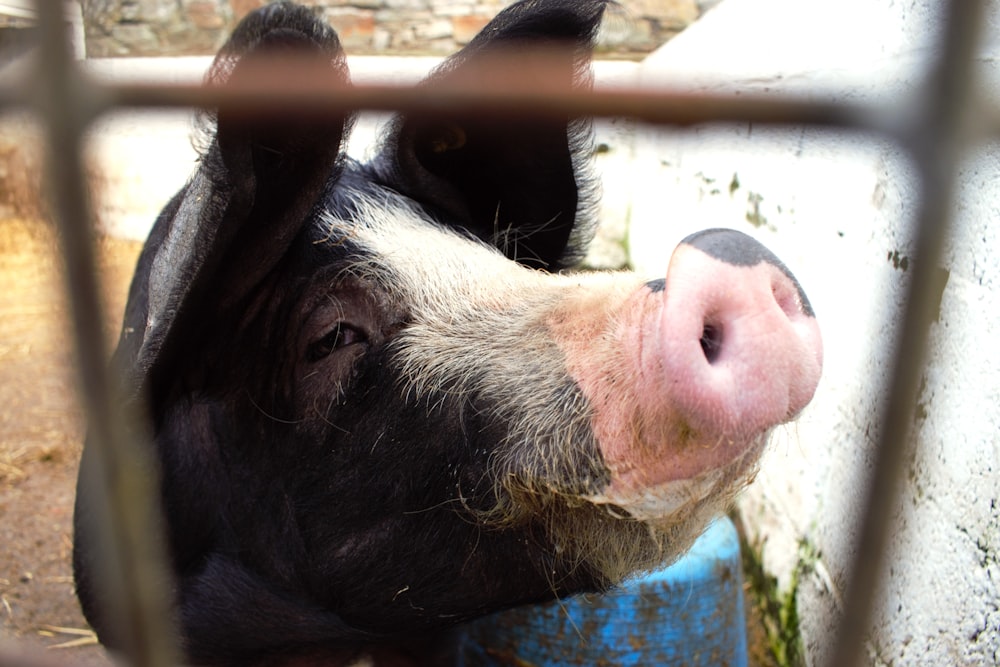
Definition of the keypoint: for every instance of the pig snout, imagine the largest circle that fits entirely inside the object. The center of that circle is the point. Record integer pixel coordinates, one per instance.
(692, 371)
(737, 346)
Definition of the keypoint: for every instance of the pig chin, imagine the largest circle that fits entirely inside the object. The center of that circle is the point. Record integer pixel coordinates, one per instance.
(666, 505)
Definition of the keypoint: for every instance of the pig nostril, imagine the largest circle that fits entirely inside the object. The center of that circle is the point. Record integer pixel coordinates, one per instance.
(787, 300)
(711, 342)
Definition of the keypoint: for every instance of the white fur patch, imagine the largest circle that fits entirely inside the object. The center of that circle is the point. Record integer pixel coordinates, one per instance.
(480, 330)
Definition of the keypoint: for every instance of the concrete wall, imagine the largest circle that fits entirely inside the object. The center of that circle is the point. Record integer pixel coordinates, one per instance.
(837, 208)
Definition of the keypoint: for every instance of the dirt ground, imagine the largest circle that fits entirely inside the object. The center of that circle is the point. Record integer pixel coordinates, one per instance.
(41, 430)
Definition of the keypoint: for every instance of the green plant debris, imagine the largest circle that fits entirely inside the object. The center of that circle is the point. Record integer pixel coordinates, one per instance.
(900, 262)
(777, 609)
(921, 412)
(941, 275)
(709, 182)
(754, 215)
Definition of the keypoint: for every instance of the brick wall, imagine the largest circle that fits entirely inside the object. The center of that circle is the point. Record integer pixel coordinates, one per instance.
(184, 27)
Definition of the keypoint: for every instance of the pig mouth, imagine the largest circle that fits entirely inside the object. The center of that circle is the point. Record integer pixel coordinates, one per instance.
(662, 505)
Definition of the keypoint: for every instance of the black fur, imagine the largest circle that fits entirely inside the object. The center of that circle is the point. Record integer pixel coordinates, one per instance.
(296, 531)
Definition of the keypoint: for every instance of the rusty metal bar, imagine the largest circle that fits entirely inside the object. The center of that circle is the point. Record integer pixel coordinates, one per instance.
(69, 102)
(131, 577)
(12, 97)
(936, 141)
(506, 98)
(493, 88)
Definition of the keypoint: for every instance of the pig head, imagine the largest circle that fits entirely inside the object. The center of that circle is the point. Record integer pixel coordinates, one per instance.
(381, 407)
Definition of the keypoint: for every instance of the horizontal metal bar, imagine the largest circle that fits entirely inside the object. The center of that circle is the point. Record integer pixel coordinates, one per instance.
(487, 90)
(668, 108)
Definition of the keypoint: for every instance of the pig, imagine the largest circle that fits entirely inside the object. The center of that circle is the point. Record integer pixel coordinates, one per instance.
(381, 403)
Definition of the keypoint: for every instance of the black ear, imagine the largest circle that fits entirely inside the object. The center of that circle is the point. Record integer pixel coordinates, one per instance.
(260, 177)
(521, 184)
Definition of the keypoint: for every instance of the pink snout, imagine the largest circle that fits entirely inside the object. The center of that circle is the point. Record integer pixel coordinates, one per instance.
(738, 344)
(694, 370)
(700, 367)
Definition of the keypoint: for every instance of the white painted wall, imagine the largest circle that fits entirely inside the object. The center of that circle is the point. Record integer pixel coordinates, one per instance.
(836, 208)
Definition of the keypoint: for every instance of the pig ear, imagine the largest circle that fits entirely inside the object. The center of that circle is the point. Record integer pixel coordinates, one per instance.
(520, 184)
(260, 177)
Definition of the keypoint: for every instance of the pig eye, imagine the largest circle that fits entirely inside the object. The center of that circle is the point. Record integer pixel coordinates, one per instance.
(340, 336)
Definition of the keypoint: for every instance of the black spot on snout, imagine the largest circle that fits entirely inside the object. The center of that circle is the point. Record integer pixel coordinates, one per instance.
(657, 285)
(738, 249)
(734, 248)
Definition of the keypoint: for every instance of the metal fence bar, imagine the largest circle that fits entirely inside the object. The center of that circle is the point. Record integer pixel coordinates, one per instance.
(936, 142)
(68, 103)
(540, 96)
(275, 86)
(130, 571)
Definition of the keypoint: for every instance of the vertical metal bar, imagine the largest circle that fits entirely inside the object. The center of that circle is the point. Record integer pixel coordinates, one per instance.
(140, 594)
(132, 580)
(936, 140)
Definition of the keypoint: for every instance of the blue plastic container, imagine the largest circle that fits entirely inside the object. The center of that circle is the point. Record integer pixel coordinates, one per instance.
(690, 614)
